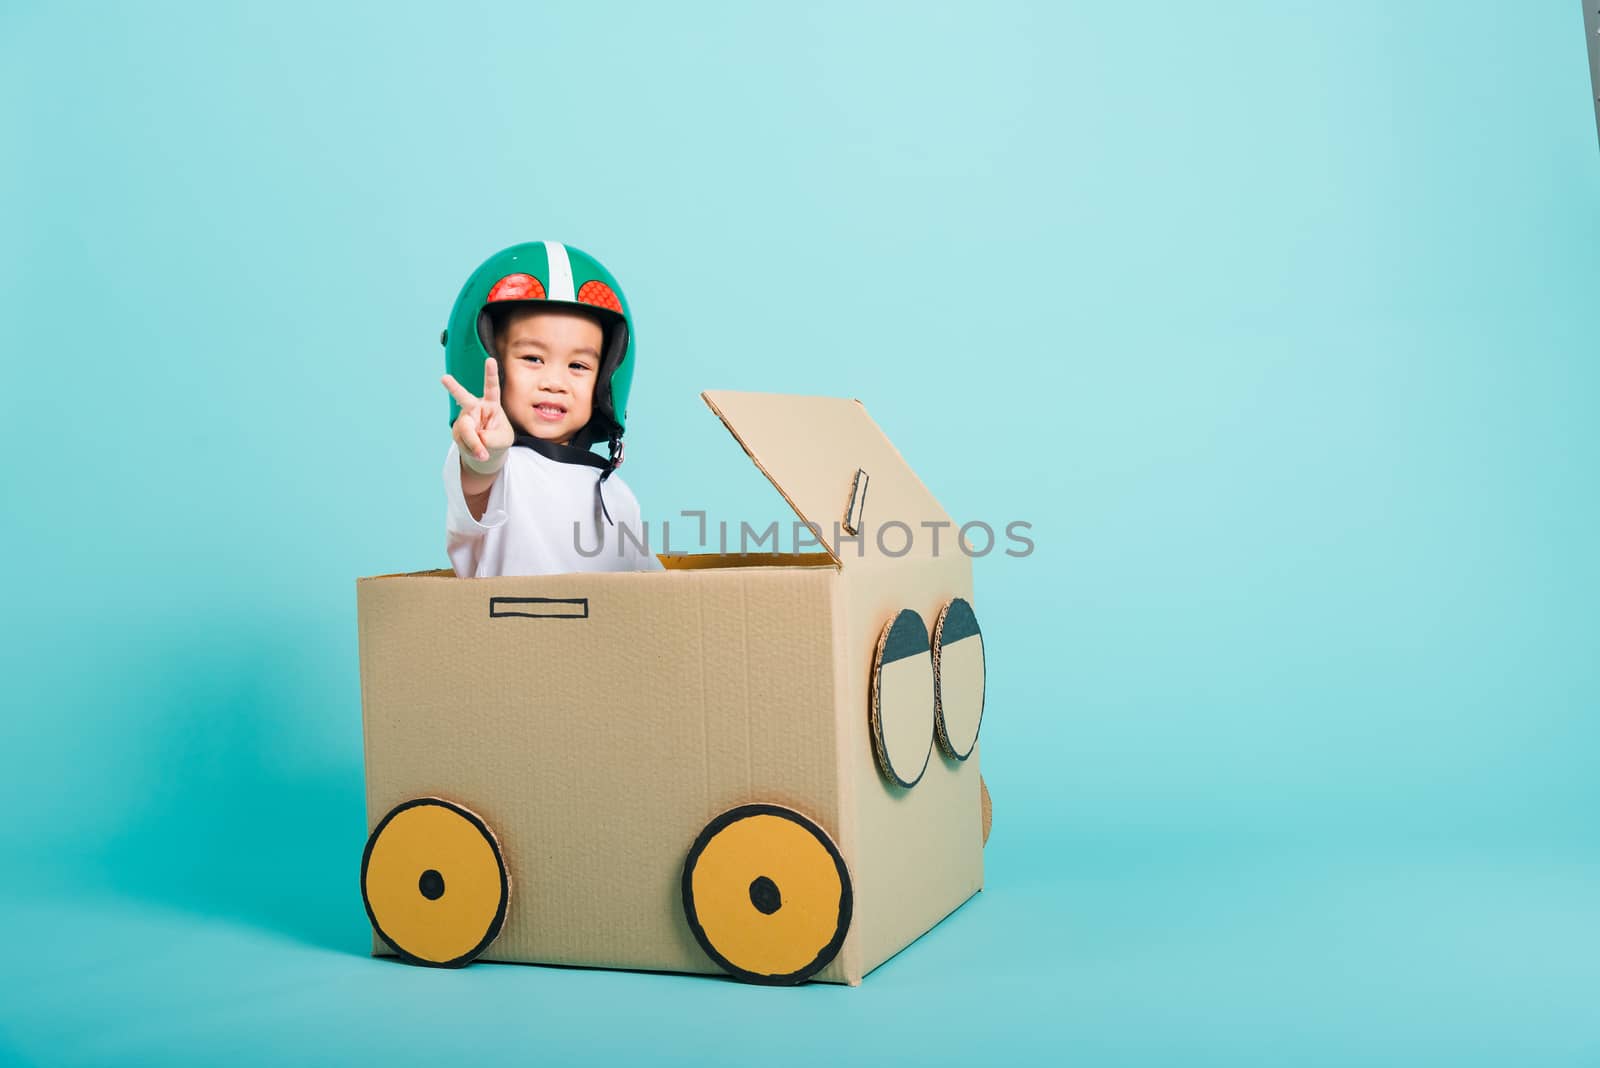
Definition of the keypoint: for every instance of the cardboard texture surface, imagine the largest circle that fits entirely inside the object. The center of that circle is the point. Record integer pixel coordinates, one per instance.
(598, 723)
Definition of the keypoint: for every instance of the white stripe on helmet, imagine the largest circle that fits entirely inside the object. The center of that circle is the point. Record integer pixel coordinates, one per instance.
(560, 271)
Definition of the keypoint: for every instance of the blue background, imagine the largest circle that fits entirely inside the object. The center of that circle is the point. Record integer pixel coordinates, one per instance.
(1275, 320)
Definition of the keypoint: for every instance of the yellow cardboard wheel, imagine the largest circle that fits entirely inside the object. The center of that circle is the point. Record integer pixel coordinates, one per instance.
(434, 883)
(767, 894)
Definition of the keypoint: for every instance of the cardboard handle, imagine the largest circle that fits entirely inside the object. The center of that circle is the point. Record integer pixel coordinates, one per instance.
(538, 608)
(858, 502)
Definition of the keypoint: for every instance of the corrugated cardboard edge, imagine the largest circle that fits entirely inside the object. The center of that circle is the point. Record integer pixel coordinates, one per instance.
(363, 622)
(849, 961)
(795, 508)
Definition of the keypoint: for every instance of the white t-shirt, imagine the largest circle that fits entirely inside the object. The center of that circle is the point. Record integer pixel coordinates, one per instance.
(543, 519)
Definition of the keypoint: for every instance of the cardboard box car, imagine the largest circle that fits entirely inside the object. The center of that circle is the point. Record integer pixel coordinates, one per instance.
(743, 764)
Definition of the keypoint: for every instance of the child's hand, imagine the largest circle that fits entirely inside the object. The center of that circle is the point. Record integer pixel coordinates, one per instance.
(482, 429)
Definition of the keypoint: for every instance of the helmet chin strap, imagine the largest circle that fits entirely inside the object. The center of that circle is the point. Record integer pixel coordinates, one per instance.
(571, 454)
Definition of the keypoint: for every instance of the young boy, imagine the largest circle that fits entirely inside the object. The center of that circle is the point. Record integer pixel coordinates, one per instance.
(547, 328)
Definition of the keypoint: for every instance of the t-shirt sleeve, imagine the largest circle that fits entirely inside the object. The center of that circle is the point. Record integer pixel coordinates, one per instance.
(638, 559)
(463, 534)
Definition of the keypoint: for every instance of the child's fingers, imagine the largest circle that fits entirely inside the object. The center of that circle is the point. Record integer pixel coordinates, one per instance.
(459, 392)
(492, 428)
(491, 381)
(467, 437)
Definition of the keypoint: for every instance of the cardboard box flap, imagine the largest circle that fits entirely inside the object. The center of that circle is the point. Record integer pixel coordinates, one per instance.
(838, 471)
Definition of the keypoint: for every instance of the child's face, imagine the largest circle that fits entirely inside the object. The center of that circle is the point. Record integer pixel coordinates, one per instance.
(548, 363)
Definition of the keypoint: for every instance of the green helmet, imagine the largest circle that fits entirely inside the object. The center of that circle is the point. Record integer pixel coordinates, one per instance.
(554, 275)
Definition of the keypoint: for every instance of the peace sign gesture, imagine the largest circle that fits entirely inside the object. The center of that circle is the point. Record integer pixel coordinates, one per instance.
(482, 429)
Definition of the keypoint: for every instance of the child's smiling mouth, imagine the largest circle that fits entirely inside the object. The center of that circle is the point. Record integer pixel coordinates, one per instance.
(552, 412)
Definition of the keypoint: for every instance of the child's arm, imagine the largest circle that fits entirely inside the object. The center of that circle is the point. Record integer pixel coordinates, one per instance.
(475, 486)
(483, 435)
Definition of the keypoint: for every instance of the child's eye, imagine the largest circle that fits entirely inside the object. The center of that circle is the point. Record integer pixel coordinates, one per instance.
(531, 359)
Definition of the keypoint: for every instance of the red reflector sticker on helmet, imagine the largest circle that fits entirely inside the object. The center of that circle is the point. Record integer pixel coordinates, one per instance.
(600, 295)
(517, 287)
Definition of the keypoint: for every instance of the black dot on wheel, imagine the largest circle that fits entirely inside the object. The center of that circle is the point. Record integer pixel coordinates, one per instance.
(431, 885)
(764, 896)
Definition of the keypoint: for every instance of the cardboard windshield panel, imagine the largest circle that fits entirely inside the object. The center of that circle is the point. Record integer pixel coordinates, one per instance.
(599, 724)
(821, 453)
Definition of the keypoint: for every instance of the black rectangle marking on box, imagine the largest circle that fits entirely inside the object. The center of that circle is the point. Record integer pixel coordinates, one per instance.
(539, 607)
